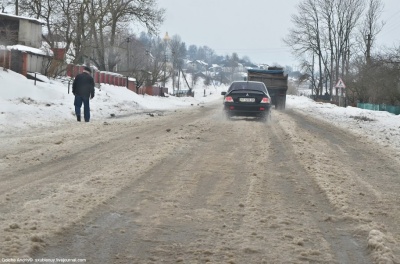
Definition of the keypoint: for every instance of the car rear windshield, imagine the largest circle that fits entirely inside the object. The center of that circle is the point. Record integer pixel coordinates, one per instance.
(248, 86)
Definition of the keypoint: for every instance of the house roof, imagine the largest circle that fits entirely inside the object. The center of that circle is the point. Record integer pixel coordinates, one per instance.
(29, 50)
(33, 20)
(202, 62)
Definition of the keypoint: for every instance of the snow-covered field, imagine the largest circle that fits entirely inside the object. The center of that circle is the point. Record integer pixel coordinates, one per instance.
(24, 105)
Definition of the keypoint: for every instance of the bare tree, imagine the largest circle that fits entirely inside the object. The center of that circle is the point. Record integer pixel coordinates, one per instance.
(326, 29)
(155, 60)
(93, 27)
(136, 60)
(359, 78)
(232, 63)
(307, 37)
(159, 67)
(377, 81)
(192, 52)
(371, 26)
(5, 4)
(178, 54)
(340, 18)
(114, 16)
(371, 81)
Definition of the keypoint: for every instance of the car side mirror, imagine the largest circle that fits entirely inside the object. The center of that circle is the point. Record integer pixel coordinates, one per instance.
(223, 93)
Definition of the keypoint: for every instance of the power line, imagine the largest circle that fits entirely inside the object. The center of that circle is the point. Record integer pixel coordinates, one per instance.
(391, 26)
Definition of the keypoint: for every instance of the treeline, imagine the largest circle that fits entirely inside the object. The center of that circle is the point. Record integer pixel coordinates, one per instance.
(336, 39)
(100, 33)
(165, 57)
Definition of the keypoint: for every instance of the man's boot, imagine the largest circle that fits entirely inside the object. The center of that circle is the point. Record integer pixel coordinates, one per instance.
(78, 118)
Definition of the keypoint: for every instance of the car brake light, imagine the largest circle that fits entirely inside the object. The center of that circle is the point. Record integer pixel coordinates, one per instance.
(229, 99)
(265, 100)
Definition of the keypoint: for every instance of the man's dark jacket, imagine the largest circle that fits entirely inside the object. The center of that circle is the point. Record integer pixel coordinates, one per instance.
(83, 85)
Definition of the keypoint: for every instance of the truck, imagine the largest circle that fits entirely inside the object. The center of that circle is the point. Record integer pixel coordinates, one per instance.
(276, 81)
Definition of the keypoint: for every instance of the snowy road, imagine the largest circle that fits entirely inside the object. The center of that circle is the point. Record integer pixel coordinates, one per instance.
(191, 187)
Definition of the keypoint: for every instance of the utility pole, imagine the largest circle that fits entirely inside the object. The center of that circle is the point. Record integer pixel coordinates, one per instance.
(127, 51)
(368, 49)
(312, 75)
(166, 41)
(165, 69)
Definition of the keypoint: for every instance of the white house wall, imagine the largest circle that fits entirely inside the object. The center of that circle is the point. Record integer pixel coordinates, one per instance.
(30, 34)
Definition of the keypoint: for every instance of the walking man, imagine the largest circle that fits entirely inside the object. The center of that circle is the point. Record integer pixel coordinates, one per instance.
(83, 89)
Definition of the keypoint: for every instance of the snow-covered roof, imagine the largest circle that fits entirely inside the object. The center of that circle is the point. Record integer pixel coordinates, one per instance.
(215, 66)
(202, 62)
(38, 21)
(31, 50)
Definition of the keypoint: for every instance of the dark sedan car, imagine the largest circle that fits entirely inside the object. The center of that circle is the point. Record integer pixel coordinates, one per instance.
(245, 98)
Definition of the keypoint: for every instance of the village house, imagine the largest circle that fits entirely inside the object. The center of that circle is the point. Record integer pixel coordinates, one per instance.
(21, 45)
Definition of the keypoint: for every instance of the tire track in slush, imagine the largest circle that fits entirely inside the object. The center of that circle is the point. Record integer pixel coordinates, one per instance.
(302, 192)
(360, 179)
(168, 209)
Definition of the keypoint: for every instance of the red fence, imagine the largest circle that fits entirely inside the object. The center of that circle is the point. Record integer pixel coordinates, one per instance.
(117, 80)
(104, 77)
(14, 60)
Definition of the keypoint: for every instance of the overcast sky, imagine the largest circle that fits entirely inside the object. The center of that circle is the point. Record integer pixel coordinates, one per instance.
(254, 28)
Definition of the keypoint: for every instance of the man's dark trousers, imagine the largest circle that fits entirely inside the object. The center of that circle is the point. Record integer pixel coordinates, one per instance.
(86, 108)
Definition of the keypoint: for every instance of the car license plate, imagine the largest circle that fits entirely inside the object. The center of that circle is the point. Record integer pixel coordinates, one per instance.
(247, 100)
